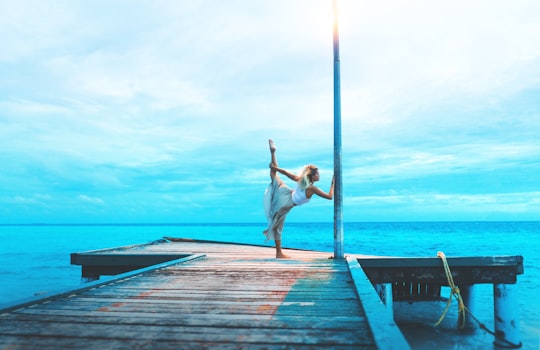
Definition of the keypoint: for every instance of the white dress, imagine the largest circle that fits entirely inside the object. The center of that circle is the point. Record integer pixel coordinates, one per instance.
(277, 204)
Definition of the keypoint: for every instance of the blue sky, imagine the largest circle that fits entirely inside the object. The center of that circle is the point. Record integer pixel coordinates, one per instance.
(160, 111)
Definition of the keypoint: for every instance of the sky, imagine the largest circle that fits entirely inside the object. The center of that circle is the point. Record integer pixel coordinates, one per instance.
(160, 111)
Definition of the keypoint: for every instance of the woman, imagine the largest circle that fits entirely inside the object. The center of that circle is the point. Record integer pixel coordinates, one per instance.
(280, 199)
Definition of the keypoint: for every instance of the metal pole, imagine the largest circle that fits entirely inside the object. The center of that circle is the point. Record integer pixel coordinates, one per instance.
(338, 193)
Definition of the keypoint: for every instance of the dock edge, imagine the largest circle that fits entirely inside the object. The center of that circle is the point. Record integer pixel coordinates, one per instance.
(25, 302)
(385, 331)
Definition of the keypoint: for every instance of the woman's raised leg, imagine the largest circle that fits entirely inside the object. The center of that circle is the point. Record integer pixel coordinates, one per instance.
(273, 160)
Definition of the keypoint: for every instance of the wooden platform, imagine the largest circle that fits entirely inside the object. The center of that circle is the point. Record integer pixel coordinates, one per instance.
(217, 296)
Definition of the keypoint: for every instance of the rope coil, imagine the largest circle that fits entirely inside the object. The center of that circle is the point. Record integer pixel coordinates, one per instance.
(454, 291)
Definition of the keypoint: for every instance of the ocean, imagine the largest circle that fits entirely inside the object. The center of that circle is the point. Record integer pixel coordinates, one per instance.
(35, 259)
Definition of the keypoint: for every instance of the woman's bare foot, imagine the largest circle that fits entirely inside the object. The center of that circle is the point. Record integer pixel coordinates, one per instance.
(282, 256)
(272, 146)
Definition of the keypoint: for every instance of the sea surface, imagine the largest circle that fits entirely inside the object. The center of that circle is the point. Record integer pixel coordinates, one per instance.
(35, 260)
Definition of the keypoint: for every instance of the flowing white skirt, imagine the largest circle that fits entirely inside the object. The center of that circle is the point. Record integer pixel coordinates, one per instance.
(277, 204)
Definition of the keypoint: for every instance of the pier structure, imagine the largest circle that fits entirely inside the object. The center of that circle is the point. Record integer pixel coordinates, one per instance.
(421, 279)
(192, 294)
(210, 295)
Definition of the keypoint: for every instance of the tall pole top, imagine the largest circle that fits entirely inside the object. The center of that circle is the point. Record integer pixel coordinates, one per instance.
(336, 31)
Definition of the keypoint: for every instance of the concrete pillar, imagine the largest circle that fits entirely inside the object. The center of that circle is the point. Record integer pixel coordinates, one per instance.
(467, 295)
(506, 315)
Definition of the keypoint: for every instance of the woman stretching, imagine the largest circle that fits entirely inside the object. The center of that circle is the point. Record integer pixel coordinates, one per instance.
(280, 199)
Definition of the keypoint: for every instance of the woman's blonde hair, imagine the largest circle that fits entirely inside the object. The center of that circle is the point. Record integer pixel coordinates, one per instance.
(306, 176)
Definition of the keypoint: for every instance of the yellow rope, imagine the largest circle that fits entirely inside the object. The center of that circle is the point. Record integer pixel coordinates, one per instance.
(462, 309)
(454, 291)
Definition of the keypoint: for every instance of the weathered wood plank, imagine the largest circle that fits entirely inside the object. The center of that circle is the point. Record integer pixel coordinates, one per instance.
(188, 294)
(289, 307)
(190, 334)
(185, 319)
(44, 343)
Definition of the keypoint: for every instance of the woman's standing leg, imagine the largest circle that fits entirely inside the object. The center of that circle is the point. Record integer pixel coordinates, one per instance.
(279, 253)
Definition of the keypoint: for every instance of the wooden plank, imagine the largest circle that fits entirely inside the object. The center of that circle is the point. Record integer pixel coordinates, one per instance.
(30, 342)
(186, 319)
(188, 294)
(271, 308)
(186, 333)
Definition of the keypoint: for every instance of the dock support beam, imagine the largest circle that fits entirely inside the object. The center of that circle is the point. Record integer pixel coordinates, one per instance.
(506, 315)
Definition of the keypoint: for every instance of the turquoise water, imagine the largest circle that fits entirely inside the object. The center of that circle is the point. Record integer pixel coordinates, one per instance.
(35, 259)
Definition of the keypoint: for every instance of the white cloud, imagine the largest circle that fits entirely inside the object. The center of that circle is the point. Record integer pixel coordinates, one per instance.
(441, 207)
(401, 60)
(38, 199)
(91, 200)
(21, 108)
(406, 163)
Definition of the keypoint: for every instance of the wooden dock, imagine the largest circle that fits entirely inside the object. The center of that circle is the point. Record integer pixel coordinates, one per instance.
(210, 295)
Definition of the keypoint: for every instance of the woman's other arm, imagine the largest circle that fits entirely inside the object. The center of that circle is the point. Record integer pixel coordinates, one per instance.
(290, 175)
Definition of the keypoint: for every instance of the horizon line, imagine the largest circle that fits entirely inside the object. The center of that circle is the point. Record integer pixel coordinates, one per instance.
(250, 223)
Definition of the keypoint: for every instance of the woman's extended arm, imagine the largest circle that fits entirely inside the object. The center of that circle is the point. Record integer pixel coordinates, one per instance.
(290, 175)
(321, 193)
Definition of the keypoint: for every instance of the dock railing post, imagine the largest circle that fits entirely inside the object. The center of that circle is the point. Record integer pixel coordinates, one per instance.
(338, 193)
(506, 315)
